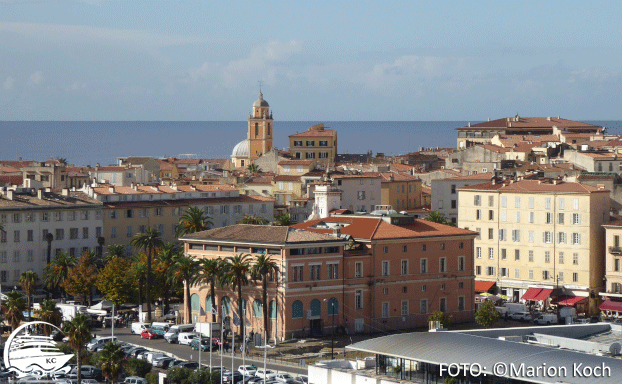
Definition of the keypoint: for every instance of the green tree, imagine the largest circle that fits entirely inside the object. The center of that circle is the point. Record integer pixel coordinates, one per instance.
(444, 319)
(13, 307)
(204, 376)
(437, 217)
(49, 313)
(253, 169)
(178, 375)
(260, 270)
(183, 271)
(487, 315)
(193, 220)
(138, 272)
(111, 361)
(62, 160)
(81, 278)
(283, 220)
(115, 281)
(28, 281)
(235, 274)
(56, 272)
(149, 242)
(254, 219)
(114, 250)
(135, 367)
(79, 332)
(210, 272)
(165, 259)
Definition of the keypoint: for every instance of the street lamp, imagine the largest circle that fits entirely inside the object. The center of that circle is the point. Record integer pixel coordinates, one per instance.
(332, 335)
(49, 237)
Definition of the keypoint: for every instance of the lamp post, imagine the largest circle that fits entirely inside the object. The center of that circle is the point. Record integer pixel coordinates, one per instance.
(49, 237)
(332, 335)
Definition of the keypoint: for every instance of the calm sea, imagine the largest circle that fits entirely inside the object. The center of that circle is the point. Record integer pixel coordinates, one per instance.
(88, 143)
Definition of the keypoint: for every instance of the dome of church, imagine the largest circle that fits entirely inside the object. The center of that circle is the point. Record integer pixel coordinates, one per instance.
(260, 102)
(241, 149)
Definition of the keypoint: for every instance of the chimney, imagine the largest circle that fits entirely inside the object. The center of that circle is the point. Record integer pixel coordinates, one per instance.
(469, 125)
(9, 194)
(111, 189)
(337, 232)
(558, 117)
(489, 119)
(40, 193)
(65, 192)
(48, 189)
(548, 118)
(600, 186)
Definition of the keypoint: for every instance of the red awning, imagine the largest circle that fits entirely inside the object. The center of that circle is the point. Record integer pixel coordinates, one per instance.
(609, 305)
(568, 301)
(543, 295)
(483, 286)
(531, 293)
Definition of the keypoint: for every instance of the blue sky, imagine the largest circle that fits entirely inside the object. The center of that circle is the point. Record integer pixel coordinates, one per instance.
(318, 60)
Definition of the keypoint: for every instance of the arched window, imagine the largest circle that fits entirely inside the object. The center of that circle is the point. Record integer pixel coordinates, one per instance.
(257, 308)
(256, 129)
(268, 129)
(194, 302)
(208, 305)
(316, 308)
(297, 310)
(330, 303)
(226, 303)
(273, 309)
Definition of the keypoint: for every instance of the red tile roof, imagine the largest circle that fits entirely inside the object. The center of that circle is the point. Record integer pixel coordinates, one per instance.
(286, 178)
(534, 186)
(477, 176)
(323, 133)
(530, 122)
(187, 202)
(295, 162)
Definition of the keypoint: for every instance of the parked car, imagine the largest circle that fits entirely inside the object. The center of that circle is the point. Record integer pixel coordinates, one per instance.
(302, 379)
(150, 356)
(267, 374)
(149, 334)
(521, 316)
(98, 343)
(134, 352)
(204, 345)
(285, 378)
(138, 328)
(189, 365)
(185, 338)
(247, 370)
(546, 318)
(164, 362)
(232, 377)
(135, 380)
(89, 372)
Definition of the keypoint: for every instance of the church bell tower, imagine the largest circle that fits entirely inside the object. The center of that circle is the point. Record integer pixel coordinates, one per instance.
(260, 128)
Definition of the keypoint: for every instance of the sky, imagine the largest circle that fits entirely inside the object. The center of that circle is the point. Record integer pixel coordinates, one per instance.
(317, 60)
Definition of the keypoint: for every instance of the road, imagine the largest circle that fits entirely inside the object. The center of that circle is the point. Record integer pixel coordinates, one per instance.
(184, 352)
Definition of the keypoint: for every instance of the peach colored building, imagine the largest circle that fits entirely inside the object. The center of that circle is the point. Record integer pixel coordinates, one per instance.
(381, 273)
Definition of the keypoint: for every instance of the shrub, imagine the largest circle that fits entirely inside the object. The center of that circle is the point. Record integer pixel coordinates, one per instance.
(152, 377)
(177, 375)
(135, 367)
(203, 376)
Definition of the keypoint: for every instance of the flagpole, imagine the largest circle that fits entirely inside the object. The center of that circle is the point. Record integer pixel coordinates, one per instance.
(232, 350)
(222, 340)
(200, 346)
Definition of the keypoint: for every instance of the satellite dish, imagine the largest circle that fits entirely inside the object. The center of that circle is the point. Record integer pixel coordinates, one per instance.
(615, 349)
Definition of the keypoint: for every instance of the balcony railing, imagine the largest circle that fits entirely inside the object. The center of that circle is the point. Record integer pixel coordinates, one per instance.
(615, 250)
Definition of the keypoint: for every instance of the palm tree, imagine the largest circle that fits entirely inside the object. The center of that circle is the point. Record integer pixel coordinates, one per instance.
(148, 241)
(111, 361)
(138, 271)
(193, 220)
(114, 250)
(283, 220)
(28, 281)
(183, 271)
(49, 313)
(264, 266)
(436, 217)
(257, 220)
(210, 271)
(79, 332)
(165, 260)
(13, 307)
(56, 272)
(235, 274)
(253, 169)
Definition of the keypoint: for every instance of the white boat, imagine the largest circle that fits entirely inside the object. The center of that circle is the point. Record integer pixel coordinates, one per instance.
(29, 353)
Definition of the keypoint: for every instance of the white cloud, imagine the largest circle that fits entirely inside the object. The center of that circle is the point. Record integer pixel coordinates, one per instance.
(36, 78)
(8, 84)
(75, 34)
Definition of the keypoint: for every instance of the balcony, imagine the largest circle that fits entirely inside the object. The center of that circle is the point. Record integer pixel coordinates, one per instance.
(615, 250)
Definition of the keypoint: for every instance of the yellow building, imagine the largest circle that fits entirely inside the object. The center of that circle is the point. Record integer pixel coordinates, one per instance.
(400, 191)
(316, 144)
(259, 136)
(294, 167)
(286, 188)
(539, 239)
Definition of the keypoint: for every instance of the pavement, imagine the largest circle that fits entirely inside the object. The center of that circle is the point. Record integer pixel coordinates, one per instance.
(184, 352)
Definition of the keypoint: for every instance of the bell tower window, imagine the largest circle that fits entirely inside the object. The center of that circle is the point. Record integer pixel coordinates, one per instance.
(256, 129)
(268, 129)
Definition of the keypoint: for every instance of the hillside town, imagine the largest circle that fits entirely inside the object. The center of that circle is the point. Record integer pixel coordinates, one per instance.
(518, 224)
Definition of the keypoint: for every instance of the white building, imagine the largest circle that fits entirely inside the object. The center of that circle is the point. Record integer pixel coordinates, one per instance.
(72, 218)
(445, 193)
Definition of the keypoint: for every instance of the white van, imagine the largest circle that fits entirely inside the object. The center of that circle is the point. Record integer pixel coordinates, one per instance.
(547, 319)
(99, 343)
(173, 332)
(160, 328)
(185, 338)
(138, 328)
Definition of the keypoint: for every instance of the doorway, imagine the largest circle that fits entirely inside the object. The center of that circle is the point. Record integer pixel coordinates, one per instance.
(316, 327)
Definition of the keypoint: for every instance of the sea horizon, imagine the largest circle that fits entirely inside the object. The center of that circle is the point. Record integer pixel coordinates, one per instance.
(91, 142)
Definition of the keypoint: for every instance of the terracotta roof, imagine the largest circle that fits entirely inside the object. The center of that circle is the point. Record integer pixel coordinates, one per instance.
(136, 159)
(109, 169)
(52, 200)
(614, 221)
(385, 176)
(600, 155)
(477, 176)
(372, 228)
(260, 180)
(509, 140)
(493, 148)
(247, 233)
(525, 146)
(366, 175)
(12, 179)
(534, 186)
(165, 165)
(187, 202)
(286, 178)
(295, 162)
(17, 163)
(323, 133)
(531, 122)
(401, 167)
(8, 169)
